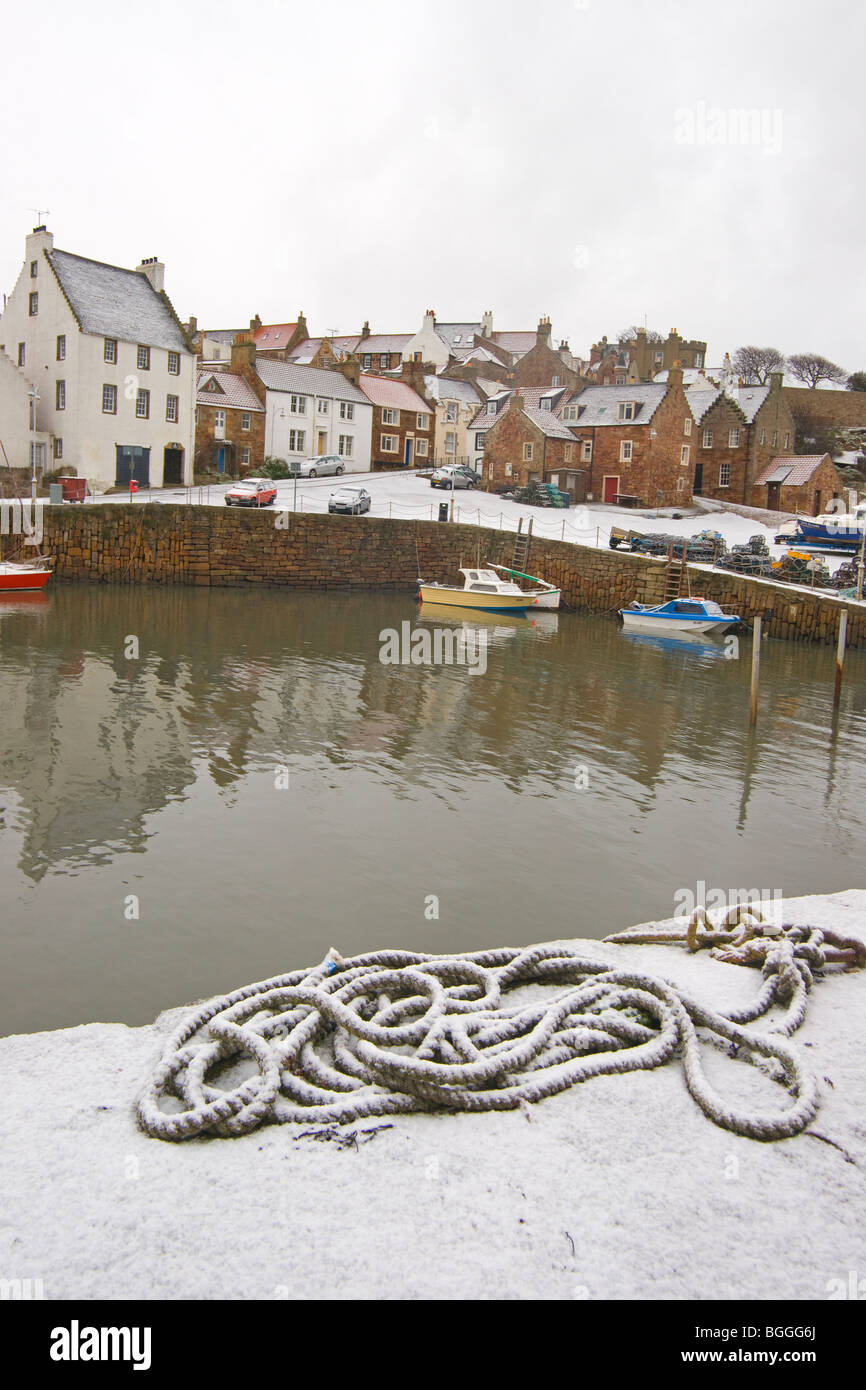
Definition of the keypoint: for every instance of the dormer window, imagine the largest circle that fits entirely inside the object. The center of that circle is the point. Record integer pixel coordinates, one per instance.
(491, 407)
(546, 403)
(457, 337)
(625, 410)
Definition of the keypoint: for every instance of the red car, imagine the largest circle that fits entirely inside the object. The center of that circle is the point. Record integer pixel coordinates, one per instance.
(252, 492)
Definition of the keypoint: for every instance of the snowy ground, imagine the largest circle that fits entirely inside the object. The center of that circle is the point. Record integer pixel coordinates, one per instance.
(619, 1188)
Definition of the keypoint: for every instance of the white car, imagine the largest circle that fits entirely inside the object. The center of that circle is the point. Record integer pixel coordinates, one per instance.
(319, 467)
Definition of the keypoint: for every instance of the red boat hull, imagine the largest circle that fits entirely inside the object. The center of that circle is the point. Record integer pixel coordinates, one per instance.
(24, 581)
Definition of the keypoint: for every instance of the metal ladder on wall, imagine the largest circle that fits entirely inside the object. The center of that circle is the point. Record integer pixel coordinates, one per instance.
(522, 542)
(676, 574)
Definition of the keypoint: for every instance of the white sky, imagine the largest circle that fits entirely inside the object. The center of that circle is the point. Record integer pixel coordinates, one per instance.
(372, 160)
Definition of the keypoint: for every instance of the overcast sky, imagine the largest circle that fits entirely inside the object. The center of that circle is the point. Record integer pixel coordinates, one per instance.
(576, 158)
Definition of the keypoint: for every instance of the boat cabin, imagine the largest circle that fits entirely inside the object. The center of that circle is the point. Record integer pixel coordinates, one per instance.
(487, 582)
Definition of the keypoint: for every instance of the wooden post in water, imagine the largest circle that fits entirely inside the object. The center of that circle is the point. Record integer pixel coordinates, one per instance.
(756, 669)
(840, 656)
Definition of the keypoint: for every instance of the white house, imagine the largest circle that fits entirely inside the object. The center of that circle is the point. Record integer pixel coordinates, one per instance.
(114, 371)
(457, 404)
(310, 411)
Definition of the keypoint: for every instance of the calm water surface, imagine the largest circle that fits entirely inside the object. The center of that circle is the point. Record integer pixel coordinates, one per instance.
(158, 777)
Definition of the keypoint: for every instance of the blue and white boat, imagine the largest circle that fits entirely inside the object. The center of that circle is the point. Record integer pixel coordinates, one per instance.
(842, 531)
(680, 615)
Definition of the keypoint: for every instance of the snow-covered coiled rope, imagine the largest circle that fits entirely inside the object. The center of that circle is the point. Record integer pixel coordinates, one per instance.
(395, 1031)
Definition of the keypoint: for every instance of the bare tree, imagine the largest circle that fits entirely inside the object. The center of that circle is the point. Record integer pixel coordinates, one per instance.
(754, 364)
(627, 335)
(811, 368)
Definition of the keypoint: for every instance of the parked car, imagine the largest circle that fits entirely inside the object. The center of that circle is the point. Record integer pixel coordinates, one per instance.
(252, 492)
(454, 476)
(350, 499)
(319, 467)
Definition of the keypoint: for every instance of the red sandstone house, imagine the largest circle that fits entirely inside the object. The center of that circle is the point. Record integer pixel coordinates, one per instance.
(403, 423)
(737, 431)
(632, 443)
(802, 483)
(229, 425)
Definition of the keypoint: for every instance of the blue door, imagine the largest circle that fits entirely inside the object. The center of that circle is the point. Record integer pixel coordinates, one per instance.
(221, 459)
(407, 457)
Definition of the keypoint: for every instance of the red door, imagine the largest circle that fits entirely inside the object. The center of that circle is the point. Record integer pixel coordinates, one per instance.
(611, 488)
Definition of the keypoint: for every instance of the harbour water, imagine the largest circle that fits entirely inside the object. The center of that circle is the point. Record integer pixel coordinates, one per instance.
(204, 788)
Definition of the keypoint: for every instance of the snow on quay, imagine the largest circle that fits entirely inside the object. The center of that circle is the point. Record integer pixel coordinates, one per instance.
(616, 1188)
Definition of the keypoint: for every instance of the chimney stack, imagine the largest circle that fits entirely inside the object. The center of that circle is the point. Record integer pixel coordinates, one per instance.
(350, 369)
(154, 271)
(243, 358)
(544, 331)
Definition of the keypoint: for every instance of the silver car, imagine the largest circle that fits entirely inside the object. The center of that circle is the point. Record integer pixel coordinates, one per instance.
(319, 467)
(453, 476)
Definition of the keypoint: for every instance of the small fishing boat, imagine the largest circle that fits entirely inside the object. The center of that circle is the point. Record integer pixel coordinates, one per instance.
(547, 596)
(696, 615)
(833, 531)
(22, 576)
(482, 588)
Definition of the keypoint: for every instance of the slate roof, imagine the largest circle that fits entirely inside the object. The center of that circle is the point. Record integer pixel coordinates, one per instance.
(117, 303)
(550, 424)
(598, 405)
(233, 392)
(748, 398)
(384, 342)
(399, 395)
(444, 389)
(221, 335)
(306, 351)
(516, 343)
(307, 381)
(458, 334)
(791, 469)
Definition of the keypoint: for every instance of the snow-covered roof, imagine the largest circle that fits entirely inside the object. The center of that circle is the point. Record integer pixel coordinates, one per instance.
(273, 335)
(384, 342)
(458, 334)
(311, 381)
(598, 405)
(399, 395)
(306, 351)
(748, 399)
(516, 343)
(443, 388)
(117, 303)
(226, 391)
(792, 469)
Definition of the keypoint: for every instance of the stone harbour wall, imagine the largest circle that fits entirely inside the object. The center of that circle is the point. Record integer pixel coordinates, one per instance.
(161, 544)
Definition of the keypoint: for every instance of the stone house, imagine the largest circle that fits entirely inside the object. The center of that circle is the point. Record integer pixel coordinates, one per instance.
(527, 442)
(543, 366)
(114, 369)
(275, 341)
(802, 483)
(229, 424)
(403, 423)
(737, 430)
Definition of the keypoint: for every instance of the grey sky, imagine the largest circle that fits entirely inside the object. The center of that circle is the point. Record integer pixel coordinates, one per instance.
(373, 161)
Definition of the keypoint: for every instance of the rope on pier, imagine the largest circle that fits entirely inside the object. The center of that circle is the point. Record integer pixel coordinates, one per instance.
(395, 1031)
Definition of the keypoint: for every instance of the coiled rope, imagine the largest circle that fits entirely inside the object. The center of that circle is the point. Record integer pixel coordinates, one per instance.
(395, 1031)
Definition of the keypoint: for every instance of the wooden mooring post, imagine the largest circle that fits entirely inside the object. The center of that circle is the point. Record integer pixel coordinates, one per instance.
(756, 668)
(840, 656)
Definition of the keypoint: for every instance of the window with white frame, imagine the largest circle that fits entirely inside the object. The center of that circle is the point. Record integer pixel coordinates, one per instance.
(246, 419)
(109, 350)
(347, 444)
(684, 455)
(625, 410)
(527, 453)
(724, 475)
(566, 454)
(22, 354)
(570, 412)
(625, 451)
(787, 441)
(546, 403)
(34, 269)
(366, 361)
(763, 436)
(687, 425)
(491, 407)
(421, 448)
(383, 361)
(219, 424)
(324, 407)
(297, 441)
(555, 381)
(298, 405)
(347, 410)
(451, 412)
(421, 421)
(142, 404)
(507, 470)
(61, 347)
(479, 443)
(699, 359)
(58, 448)
(142, 358)
(390, 417)
(174, 364)
(681, 484)
(60, 395)
(109, 400)
(586, 451)
(34, 305)
(245, 456)
(388, 443)
(733, 439)
(450, 442)
(172, 409)
(775, 439)
(708, 439)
